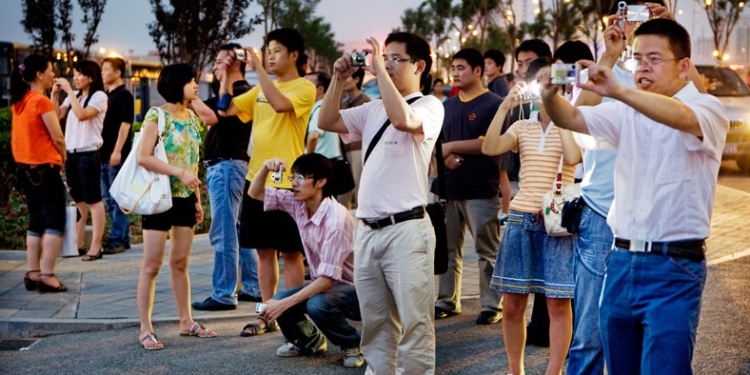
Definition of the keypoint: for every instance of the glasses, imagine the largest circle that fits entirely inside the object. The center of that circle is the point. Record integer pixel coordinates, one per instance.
(395, 60)
(636, 62)
(297, 177)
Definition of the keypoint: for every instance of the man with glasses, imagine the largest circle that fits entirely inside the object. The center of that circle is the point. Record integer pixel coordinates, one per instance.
(326, 229)
(669, 139)
(394, 240)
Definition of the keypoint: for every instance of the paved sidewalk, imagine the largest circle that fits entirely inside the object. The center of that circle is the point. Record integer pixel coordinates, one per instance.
(101, 294)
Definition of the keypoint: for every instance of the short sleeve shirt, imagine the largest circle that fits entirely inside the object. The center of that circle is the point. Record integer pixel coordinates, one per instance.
(120, 110)
(328, 142)
(276, 134)
(87, 133)
(31, 142)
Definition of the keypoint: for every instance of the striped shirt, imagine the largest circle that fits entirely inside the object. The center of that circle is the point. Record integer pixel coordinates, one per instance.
(326, 237)
(540, 152)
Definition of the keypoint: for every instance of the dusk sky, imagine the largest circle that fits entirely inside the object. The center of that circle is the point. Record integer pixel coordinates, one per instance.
(123, 26)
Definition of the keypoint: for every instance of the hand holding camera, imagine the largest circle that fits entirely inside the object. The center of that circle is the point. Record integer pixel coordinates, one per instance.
(277, 166)
(249, 56)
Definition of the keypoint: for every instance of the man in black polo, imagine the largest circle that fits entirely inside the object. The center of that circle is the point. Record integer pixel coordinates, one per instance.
(225, 156)
(116, 135)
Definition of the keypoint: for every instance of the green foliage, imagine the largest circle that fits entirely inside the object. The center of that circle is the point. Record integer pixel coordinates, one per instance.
(45, 20)
(15, 222)
(7, 165)
(39, 22)
(92, 15)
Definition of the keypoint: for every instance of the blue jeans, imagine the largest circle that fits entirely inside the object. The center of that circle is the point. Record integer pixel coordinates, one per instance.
(589, 251)
(649, 312)
(119, 234)
(329, 311)
(225, 181)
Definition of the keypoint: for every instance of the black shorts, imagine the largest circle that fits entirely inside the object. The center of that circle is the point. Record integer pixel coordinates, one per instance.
(182, 214)
(261, 229)
(45, 198)
(84, 173)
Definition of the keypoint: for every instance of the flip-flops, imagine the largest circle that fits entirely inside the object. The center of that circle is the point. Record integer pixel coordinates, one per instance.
(257, 329)
(198, 330)
(151, 337)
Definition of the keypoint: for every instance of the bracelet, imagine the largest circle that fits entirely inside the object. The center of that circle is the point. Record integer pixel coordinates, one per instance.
(224, 101)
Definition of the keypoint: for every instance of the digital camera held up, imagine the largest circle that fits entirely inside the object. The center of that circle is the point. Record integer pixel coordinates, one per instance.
(568, 74)
(240, 53)
(532, 91)
(359, 58)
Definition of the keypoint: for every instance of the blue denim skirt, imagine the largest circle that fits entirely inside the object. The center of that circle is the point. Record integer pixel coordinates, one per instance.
(530, 261)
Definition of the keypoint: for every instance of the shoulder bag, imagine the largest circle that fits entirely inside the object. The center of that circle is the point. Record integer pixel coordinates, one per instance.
(552, 204)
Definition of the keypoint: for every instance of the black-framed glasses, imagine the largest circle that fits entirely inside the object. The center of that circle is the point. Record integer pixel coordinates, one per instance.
(297, 177)
(394, 61)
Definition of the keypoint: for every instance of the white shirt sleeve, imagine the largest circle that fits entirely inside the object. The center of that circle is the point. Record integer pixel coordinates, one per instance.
(604, 122)
(355, 119)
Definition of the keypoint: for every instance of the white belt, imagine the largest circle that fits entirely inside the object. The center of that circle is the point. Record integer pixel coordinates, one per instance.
(83, 149)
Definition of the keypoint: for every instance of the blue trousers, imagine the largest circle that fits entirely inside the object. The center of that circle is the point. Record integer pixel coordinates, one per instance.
(119, 233)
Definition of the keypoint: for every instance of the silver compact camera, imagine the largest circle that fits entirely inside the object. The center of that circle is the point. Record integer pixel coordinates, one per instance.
(633, 13)
(259, 307)
(532, 91)
(240, 53)
(276, 176)
(568, 74)
(359, 58)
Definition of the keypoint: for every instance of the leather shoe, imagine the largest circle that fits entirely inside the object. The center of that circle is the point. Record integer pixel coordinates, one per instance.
(489, 317)
(441, 313)
(211, 304)
(248, 297)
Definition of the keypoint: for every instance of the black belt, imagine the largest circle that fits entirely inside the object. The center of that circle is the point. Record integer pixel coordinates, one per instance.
(414, 213)
(212, 162)
(691, 249)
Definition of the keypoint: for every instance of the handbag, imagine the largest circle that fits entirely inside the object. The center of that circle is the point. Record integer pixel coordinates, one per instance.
(138, 190)
(343, 180)
(571, 214)
(552, 204)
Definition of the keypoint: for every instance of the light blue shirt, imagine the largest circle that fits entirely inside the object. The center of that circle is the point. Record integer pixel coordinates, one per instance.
(328, 142)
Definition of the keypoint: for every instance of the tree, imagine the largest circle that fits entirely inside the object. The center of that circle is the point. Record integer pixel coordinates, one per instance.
(722, 16)
(65, 24)
(92, 15)
(593, 15)
(40, 24)
(190, 31)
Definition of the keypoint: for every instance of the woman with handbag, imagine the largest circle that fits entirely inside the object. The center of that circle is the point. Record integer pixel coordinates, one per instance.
(530, 260)
(85, 112)
(38, 147)
(181, 140)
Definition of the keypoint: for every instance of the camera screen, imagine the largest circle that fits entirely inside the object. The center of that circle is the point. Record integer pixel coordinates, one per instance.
(638, 13)
(563, 74)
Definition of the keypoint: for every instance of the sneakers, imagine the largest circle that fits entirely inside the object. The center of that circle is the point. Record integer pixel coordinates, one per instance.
(353, 358)
(241, 296)
(290, 350)
(110, 249)
(210, 304)
(489, 317)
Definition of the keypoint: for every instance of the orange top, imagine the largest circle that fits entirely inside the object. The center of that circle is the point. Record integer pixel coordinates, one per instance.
(30, 141)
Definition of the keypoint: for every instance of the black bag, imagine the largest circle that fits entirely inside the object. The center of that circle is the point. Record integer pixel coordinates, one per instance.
(571, 214)
(343, 180)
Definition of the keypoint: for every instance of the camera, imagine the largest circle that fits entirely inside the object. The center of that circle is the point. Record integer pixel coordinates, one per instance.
(240, 53)
(633, 13)
(359, 59)
(566, 74)
(276, 176)
(532, 91)
(259, 307)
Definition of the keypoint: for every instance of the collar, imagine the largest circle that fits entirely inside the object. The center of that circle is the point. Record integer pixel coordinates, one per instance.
(321, 212)
(686, 92)
(116, 89)
(413, 95)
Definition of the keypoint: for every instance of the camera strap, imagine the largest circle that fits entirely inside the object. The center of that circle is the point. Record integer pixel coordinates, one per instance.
(380, 132)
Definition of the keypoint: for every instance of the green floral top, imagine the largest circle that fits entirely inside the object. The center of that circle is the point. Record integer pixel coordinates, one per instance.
(182, 141)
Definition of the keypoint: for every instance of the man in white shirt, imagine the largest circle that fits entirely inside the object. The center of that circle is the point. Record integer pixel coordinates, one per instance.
(394, 241)
(669, 138)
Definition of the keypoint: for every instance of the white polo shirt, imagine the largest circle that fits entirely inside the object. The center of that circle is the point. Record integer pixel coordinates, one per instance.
(88, 133)
(394, 179)
(665, 179)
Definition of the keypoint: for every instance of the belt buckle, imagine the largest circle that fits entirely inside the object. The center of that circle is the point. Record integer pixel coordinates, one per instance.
(639, 246)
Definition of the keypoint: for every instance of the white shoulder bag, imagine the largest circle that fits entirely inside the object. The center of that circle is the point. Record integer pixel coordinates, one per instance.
(138, 190)
(552, 203)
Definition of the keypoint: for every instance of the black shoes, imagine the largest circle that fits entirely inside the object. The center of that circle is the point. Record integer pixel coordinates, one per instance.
(248, 298)
(109, 249)
(210, 304)
(441, 313)
(489, 317)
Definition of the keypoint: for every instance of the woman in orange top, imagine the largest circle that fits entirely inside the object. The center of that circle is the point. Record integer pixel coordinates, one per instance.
(38, 147)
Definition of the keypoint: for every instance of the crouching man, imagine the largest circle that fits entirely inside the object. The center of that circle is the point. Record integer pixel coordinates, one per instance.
(326, 228)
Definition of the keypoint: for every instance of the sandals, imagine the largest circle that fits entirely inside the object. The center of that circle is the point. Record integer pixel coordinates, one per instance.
(28, 282)
(257, 329)
(198, 330)
(46, 288)
(89, 257)
(151, 338)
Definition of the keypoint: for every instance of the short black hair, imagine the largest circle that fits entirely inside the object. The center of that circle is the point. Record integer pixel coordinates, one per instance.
(436, 81)
(359, 73)
(289, 38)
(678, 37)
(302, 64)
(416, 47)
(572, 51)
(615, 4)
(231, 47)
(538, 46)
(497, 56)
(322, 79)
(318, 167)
(536, 66)
(473, 57)
(172, 81)
(116, 63)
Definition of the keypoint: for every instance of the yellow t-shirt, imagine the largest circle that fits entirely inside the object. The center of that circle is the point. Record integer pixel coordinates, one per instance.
(277, 135)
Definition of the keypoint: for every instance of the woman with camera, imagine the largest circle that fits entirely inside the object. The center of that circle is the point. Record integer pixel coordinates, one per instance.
(38, 147)
(182, 141)
(85, 110)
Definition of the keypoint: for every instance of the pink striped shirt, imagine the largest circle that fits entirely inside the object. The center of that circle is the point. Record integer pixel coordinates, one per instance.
(326, 237)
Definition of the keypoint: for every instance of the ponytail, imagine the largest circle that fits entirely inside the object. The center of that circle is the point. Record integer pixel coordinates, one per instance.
(25, 73)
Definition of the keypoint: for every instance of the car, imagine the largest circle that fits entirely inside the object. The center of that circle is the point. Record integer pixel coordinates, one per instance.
(725, 84)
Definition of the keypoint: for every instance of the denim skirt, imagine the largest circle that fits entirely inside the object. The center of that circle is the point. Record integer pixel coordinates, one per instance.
(530, 261)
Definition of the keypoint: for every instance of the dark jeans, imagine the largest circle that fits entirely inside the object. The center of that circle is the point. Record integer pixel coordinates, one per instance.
(84, 172)
(45, 198)
(119, 235)
(330, 311)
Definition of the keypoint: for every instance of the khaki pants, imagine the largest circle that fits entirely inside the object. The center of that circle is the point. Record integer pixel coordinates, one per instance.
(393, 275)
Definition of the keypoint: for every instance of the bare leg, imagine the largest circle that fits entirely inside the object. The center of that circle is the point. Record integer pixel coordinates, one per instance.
(514, 330)
(181, 240)
(268, 273)
(505, 191)
(97, 227)
(294, 269)
(154, 242)
(51, 247)
(81, 224)
(560, 333)
(33, 255)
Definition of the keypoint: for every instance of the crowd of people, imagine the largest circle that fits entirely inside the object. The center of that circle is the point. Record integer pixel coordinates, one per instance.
(622, 291)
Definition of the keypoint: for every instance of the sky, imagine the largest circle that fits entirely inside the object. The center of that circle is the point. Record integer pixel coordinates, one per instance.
(123, 26)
